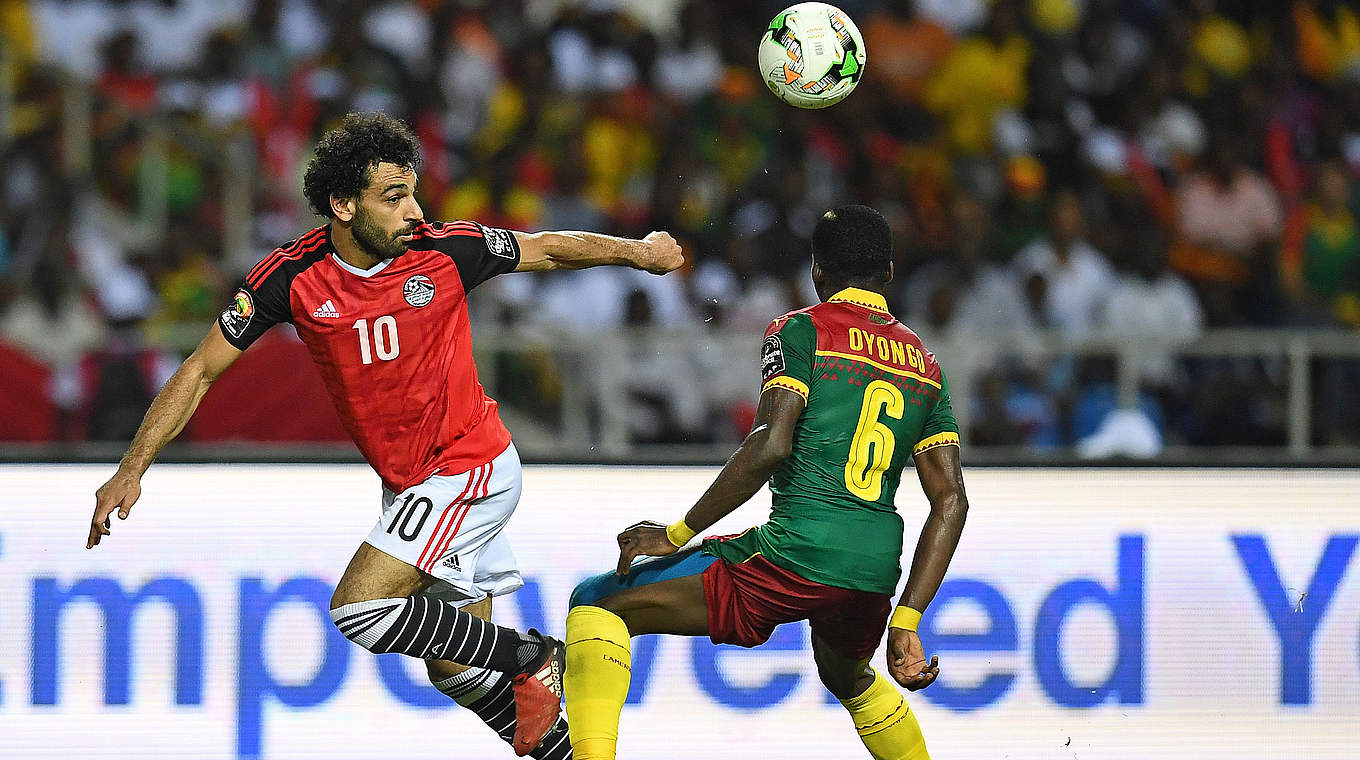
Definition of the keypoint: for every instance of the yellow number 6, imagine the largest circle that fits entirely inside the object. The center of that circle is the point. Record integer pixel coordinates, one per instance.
(871, 449)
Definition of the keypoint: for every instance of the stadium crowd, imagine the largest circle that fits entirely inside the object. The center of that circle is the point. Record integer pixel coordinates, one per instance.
(1086, 167)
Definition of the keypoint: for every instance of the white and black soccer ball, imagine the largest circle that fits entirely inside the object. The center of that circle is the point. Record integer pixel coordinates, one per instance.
(812, 55)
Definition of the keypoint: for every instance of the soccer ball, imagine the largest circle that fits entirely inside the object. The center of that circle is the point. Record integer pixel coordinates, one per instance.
(811, 56)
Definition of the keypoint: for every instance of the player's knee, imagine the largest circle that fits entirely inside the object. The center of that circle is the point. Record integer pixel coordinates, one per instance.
(593, 590)
(364, 622)
(840, 684)
(844, 679)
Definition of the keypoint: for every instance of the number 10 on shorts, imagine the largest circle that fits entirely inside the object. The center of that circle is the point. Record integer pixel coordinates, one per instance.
(401, 521)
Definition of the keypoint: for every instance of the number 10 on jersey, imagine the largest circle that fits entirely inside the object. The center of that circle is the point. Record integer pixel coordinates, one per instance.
(384, 339)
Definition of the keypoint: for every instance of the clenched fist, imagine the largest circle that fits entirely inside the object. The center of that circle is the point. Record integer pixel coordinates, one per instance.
(661, 253)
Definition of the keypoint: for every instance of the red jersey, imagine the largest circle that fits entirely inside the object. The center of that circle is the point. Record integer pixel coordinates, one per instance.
(392, 342)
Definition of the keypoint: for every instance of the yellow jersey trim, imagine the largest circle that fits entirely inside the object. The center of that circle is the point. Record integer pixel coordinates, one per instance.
(788, 384)
(935, 441)
(861, 297)
(884, 367)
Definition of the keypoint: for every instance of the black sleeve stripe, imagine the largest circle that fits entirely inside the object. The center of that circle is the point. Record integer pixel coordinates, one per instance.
(277, 260)
(308, 239)
(449, 229)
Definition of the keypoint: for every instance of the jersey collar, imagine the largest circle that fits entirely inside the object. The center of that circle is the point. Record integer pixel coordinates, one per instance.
(376, 268)
(860, 297)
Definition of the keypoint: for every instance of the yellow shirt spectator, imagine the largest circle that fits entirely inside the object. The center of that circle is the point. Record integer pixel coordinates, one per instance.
(977, 81)
(1324, 53)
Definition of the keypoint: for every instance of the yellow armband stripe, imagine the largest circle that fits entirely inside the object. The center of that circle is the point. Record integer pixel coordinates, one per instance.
(935, 441)
(905, 617)
(680, 533)
(788, 384)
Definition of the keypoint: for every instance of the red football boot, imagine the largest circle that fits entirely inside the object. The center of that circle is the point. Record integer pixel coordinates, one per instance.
(538, 696)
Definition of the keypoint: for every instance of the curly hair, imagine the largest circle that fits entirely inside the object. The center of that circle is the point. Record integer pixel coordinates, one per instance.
(347, 154)
(852, 242)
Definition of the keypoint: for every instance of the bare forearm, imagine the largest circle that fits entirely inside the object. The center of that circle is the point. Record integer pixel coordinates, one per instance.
(749, 468)
(934, 550)
(168, 415)
(579, 250)
(545, 251)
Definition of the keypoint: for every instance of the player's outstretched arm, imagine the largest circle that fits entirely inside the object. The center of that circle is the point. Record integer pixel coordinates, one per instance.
(657, 253)
(766, 447)
(168, 414)
(942, 480)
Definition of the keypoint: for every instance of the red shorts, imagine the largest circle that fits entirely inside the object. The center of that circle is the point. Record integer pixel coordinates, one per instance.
(747, 601)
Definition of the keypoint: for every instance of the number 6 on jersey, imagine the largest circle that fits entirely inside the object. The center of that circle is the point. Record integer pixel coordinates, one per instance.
(385, 341)
(871, 449)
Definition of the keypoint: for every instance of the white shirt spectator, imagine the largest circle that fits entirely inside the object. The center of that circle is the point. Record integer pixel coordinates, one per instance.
(590, 299)
(580, 68)
(402, 29)
(958, 16)
(1176, 130)
(1077, 286)
(71, 33)
(56, 339)
(688, 75)
(1163, 308)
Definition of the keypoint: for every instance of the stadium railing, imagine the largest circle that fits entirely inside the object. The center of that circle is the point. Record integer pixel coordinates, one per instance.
(566, 395)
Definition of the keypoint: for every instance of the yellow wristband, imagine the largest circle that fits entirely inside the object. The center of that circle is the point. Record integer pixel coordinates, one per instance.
(679, 533)
(905, 617)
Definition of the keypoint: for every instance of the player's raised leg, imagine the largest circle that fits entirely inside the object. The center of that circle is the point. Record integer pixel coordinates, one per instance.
(378, 605)
(444, 535)
(883, 720)
(664, 595)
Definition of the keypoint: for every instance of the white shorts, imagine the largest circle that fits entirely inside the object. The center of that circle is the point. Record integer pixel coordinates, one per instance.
(450, 526)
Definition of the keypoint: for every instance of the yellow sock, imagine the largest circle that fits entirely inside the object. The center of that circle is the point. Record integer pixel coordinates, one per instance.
(885, 724)
(599, 666)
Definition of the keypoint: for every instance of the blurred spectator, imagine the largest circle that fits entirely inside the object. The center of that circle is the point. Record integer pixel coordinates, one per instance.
(115, 384)
(1323, 264)
(908, 48)
(958, 16)
(665, 404)
(966, 292)
(690, 68)
(1328, 47)
(1015, 412)
(982, 76)
(1148, 301)
(123, 79)
(1078, 279)
(50, 318)
(1172, 133)
(1220, 46)
(1228, 215)
(1107, 53)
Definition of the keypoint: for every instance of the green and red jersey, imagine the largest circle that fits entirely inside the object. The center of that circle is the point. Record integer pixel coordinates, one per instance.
(875, 396)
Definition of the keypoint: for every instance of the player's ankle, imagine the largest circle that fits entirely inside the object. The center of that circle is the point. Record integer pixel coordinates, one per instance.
(533, 651)
(594, 749)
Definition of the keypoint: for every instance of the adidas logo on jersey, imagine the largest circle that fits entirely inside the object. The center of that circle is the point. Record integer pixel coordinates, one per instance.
(326, 309)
